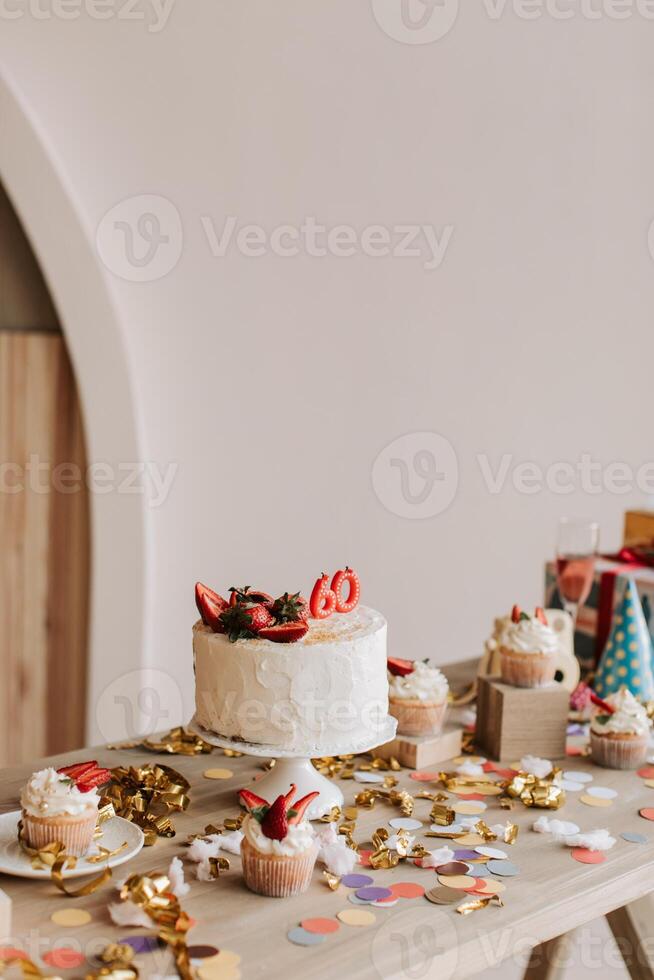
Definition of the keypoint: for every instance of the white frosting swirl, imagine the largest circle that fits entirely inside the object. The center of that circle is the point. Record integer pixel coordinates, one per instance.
(629, 717)
(49, 793)
(300, 838)
(530, 636)
(425, 683)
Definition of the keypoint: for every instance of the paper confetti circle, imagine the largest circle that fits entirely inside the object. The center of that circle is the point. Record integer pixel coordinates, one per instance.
(373, 893)
(218, 773)
(320, 926)
(407, 889)
(195, 952)
(584, 856)
(405, 823)
(634, 838)
(506, 869)
(602, 792)
(457, 881)
(578, 776)
(452, 868)
(356, 917)
(356, 881)
(471, 807)
(491, 852)
(594, 800)
(444, 895)
(71, 917)
(647, 812)
(423, 777)
(647, 772)
(301, 937)
(63, 958)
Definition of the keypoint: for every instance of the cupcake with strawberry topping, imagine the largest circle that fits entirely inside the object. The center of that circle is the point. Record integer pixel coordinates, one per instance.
(62, 805)
(279, 848)
(619, 731)
(529, 649)
(417, 696)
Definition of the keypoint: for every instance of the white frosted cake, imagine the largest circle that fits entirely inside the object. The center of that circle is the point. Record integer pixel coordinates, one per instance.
(325, 690)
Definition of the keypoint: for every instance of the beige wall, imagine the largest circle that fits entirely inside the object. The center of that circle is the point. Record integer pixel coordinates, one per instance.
(273, 383)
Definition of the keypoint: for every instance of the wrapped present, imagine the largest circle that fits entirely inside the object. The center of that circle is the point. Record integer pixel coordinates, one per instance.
(639, 529)
(595, 617)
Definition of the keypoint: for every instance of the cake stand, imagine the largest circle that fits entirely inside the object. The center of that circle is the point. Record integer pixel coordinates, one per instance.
(295, 766)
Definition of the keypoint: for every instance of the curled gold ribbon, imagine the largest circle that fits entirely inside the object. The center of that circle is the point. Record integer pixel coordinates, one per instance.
(151, 892)
(54, 857)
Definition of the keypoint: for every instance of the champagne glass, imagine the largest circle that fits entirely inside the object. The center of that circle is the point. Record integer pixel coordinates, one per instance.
(576, 550)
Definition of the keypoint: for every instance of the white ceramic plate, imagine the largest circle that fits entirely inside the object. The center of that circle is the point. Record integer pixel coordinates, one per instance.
(14, 860)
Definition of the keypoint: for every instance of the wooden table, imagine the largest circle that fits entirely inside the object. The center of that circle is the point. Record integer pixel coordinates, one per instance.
(553, 894)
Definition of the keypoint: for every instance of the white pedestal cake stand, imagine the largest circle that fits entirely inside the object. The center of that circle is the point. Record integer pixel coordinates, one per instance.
(295, 766)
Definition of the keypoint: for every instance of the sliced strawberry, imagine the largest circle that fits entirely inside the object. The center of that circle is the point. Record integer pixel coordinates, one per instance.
(515, 614)
(248, 594)
(602, 705)
(288, 798)
(540, 615)
(400, 668)
(92, 778)
(78, 769)
(275, 825)
(299, 809)
(211, 606)
(250, 800)
(284, 632)
(338, 582)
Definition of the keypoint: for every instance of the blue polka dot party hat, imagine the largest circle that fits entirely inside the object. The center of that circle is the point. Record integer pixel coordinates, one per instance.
(627, 657)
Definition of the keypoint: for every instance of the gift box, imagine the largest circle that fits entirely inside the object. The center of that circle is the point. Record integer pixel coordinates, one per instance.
(596, 615)
(638, 529)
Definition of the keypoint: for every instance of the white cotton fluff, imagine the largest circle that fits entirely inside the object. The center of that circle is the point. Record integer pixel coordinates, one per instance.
(470, 769)
(409, 840)
(176, 875)
(594, 840)
(337, 857)
(128, 914)
(550, 825)
(537, 767)
(499, 829)
(202, 849)
(435, 858)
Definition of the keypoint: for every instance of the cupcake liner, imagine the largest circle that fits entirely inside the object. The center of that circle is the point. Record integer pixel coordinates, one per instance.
(527, 669)
(277, 875)
(75, 833)
(416, 717)
(618, 752)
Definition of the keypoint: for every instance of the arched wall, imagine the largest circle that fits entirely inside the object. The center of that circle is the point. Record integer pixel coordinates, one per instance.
(66, 254)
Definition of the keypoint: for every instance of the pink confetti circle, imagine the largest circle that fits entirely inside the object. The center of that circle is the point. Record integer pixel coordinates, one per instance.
(584, 856)
(63, 958)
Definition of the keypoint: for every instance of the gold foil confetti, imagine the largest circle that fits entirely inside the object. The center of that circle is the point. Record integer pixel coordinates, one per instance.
(546, 794)
(481, 902)
(232, 753)
(217, 865)
(333, 881)
(178, 741)
(117, 959)
(350, 812)
(333, 815)
(485, 832)
(511, 833)
(442, 815)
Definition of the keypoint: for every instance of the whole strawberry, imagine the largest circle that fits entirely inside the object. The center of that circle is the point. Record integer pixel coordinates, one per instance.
(275, 823)
(290, 608)
(244, 622)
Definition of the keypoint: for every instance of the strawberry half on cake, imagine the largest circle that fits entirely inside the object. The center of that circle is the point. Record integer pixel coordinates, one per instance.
(291, 672)
(418, 696)
(279, 846)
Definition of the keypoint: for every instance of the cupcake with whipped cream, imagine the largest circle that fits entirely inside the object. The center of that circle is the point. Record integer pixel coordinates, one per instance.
(417, 696)
(56, 808)
(279, 847)
(619, 732)
(529, 650)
